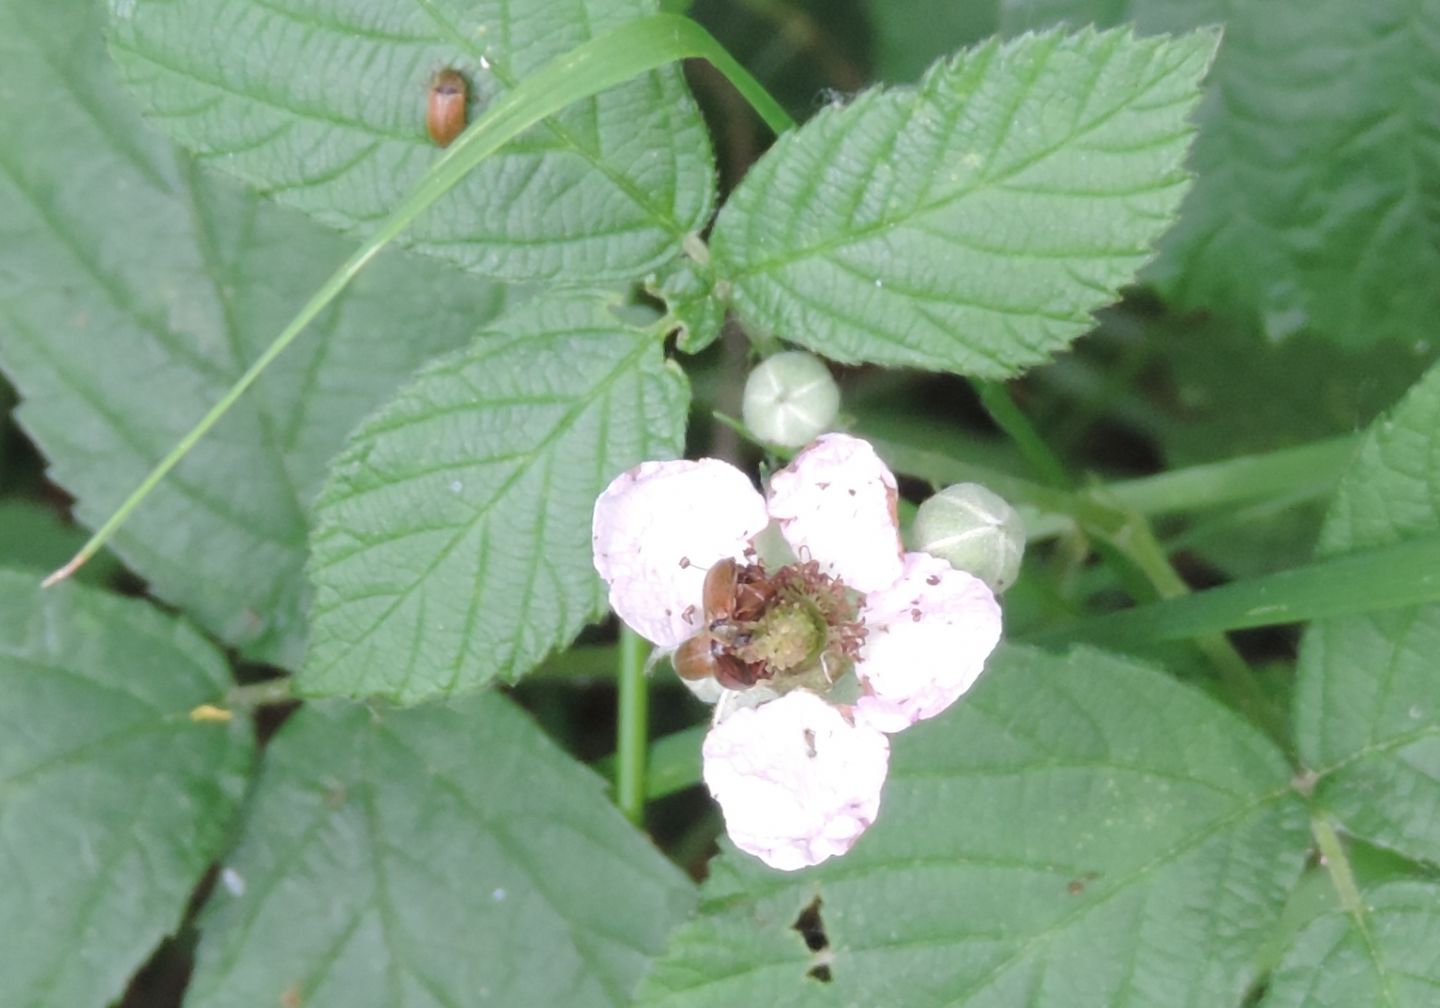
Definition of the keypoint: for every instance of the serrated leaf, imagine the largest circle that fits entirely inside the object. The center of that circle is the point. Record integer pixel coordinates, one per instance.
(444, 855)
(112, 801)
(1318, 154)
(323, 104)
(134, 290)
(1391, 958)
(1079, 831)
(452, 544)
(974, 222)
(1367, 704)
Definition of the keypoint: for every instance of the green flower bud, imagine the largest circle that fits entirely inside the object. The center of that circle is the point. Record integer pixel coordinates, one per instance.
(975, 530)
(790, 398)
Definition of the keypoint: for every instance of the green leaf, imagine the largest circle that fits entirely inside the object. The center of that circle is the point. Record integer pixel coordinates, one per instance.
(134, 290)
(444, 855)
(32, 535)
(1367, 705)
(1078, 831)
(973, 222)
(323, 105)
(1388, 958)
(698, 310)
(1318, 155)
(453, 540)
(112, 801)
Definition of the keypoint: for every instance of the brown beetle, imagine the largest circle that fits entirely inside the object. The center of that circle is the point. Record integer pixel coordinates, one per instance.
(732, 599)
(445, 113)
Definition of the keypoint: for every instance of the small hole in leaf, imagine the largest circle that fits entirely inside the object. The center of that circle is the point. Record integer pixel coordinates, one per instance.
(811, 927)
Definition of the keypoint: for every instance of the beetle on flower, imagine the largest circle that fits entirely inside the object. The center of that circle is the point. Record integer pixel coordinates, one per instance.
(800, 615)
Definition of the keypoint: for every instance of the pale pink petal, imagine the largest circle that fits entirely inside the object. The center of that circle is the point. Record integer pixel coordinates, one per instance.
(658, 528)
(926, 641)
(835, 504)
(797, 782)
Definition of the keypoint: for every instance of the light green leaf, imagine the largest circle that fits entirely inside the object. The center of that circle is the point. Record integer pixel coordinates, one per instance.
(444, 855)
(134, 290)
(323, 105)
(453, 540)
(112, 801)
(1079, 831)
(1317, 160)
(1392, 958)
(971, 223)
(1367, 704)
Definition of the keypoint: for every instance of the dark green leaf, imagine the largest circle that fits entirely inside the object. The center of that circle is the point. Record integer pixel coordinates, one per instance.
(439, 856)
(1079, 831)
(112, 800)
(912, 34)
(1390, 958)
(32, 535)
(1367, 707)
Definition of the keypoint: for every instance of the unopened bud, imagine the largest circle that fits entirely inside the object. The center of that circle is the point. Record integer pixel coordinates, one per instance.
(790, 398)
(975, 530)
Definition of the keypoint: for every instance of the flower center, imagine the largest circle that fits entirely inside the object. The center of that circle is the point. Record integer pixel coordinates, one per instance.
(796, 627)
(790, 634)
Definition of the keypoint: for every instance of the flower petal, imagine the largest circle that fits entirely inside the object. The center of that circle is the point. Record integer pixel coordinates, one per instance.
(926, 641)
(797, 782)
(657, 530)
(835, 504)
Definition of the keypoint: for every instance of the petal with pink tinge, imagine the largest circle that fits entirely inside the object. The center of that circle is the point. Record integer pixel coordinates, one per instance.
(796, 780)
(658, 528)
(835, 504)
(926, 641)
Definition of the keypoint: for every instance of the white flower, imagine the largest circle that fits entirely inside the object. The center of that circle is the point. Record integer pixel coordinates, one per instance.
(796, 781)
(764, 631)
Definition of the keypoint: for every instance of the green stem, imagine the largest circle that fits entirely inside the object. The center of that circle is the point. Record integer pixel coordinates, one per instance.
(995, 397)
(1132, 548)
(633, 48)
(632, 728)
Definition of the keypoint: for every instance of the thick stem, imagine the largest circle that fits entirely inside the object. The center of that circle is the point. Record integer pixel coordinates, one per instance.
(995, 397)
